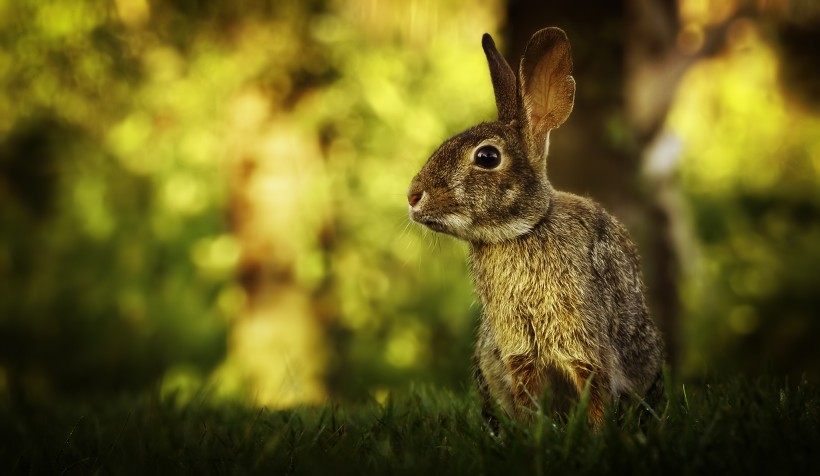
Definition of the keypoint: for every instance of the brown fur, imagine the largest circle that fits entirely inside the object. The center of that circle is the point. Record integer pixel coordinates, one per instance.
(558, 277)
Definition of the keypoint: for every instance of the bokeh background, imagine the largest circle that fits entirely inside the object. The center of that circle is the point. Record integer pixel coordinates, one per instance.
(211, 194)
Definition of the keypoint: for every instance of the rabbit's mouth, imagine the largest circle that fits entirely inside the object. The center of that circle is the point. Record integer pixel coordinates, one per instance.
(448, 223)
(431, 223)
(435, 225)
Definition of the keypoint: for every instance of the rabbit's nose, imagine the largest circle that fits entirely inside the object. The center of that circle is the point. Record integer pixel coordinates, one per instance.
(413, 198)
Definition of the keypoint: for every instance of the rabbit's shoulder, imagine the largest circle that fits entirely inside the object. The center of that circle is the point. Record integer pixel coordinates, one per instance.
(601, 237)
(582, 228)
(573, 218)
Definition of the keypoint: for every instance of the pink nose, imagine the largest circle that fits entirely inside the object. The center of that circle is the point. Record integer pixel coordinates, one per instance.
(414, 198)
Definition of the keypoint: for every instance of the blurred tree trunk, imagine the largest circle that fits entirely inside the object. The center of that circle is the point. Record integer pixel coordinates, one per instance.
(627, 67)
(277, 345)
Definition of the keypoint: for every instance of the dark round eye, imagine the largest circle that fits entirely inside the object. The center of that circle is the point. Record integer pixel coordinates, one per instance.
(487, 157)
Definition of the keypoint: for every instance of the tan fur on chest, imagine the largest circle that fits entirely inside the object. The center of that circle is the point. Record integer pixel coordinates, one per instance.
(534, 299)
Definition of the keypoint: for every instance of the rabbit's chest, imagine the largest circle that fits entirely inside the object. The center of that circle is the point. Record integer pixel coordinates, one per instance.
(533, 298)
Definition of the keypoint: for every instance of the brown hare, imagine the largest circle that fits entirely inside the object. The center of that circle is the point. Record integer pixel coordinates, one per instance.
(558, 277)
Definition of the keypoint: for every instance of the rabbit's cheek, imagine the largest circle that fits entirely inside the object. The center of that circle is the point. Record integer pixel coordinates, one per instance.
(458, 224)
(509, 197)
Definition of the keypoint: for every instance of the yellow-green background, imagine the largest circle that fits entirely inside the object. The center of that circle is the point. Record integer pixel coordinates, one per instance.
(148, 149)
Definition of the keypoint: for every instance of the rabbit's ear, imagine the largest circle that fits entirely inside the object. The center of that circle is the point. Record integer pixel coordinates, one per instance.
(547, 87)
(503, 80)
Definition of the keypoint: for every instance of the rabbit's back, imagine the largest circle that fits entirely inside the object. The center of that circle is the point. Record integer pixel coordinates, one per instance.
(636, 343)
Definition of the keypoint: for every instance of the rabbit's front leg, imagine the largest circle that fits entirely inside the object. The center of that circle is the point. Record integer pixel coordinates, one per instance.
(527, 382)
(486, 397)
(514, 382)
(586, 375)
(490, 371)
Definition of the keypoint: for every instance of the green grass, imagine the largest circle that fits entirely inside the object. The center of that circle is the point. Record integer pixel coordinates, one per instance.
(763, 426)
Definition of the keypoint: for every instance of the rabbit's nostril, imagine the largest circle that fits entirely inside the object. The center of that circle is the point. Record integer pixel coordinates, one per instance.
(414, 198)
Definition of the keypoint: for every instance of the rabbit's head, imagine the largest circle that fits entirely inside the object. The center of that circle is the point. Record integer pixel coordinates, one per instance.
(489, 183)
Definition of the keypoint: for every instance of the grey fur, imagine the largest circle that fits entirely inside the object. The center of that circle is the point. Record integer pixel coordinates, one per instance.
(558, 277)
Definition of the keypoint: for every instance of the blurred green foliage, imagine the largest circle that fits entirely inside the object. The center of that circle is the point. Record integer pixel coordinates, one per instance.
(120, 126)
(103, 198)
(751, 175)
(125, 127)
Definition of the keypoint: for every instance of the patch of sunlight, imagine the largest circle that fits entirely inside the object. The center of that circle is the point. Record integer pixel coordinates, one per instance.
(285, 224)
(128, 140)
(419, 22)
(89, 194)
(449, 65)
(163, 64)
(174, 102)
(406, 346)
(286, 190)
(200, 147)
(380, 394)
(743, 319)
(217, 256)
(423, 127)
(383, 96)
(232, 300)
(248, 110)
(310, 268)
(183, 194)
(133, 13)
(276, 354)
(386, 186)
(182, 383)
(65, 17)
(732, 118)
(706, 12)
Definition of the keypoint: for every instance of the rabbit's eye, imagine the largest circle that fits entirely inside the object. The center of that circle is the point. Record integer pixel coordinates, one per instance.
(487, 157)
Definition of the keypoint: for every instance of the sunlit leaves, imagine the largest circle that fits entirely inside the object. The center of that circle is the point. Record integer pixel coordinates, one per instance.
(750, 171)
(740, 132)
(208, 137)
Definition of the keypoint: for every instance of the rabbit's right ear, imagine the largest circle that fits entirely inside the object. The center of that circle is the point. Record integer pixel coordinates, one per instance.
(547, 87)
(506, 99)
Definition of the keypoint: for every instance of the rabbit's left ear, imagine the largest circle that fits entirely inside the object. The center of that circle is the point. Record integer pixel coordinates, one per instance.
(547, 87)
(506, 99)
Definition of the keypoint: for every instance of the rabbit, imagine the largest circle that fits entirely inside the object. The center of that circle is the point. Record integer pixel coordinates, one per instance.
(558, 277)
